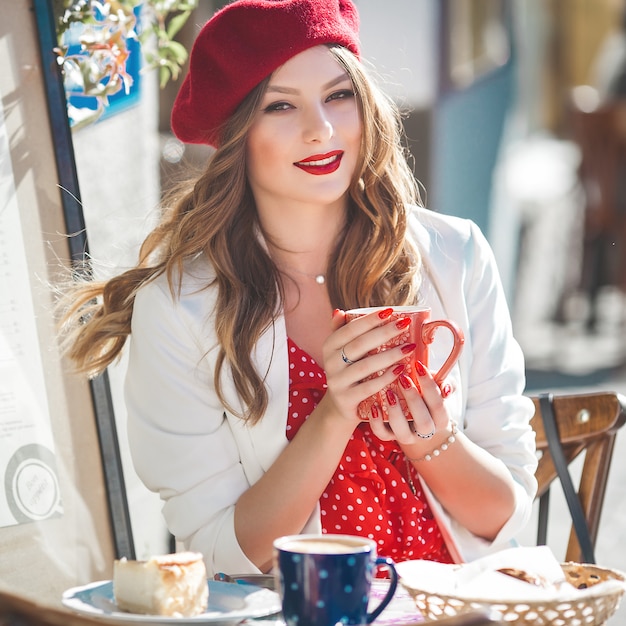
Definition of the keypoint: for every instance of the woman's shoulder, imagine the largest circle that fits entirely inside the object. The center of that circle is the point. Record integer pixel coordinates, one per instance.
(193, 283)
(179, 311)
(427, 223)
(448, 235)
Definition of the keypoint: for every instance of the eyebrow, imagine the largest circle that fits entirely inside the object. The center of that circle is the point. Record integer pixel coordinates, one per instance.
(288, 90)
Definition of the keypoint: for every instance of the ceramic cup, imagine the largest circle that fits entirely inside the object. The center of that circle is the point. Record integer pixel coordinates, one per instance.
(325, 580)
(421, 332)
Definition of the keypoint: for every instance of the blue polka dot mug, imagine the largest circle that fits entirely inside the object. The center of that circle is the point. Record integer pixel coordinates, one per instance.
(324, 580)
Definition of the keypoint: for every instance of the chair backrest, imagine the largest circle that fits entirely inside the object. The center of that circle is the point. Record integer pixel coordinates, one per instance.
(586, 423)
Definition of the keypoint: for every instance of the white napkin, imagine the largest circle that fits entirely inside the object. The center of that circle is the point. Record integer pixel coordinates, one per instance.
(480, 579)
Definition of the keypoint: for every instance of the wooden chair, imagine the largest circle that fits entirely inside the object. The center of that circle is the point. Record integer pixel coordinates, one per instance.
(586, 423)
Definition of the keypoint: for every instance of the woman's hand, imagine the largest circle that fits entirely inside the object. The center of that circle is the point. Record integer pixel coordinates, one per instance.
(427, 407)
(474, 487)
(348, 362)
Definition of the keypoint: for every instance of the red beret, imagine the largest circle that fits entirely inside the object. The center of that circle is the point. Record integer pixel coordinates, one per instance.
(242, 44)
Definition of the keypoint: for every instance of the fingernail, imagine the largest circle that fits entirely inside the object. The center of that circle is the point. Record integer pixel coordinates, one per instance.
(385, 313)
(398, 369)
(408, 348)
(405, 381)
(391, 397)
(420, 369)
(403, 323)
(335, 312)
(446, 390)
(374, 412)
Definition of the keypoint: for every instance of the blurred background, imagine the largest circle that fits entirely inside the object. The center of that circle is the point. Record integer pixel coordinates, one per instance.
(514, 119)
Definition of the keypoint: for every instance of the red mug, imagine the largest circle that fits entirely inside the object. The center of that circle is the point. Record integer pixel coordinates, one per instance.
(421, 331)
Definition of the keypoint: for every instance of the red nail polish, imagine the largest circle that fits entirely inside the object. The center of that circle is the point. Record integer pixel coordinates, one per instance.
(385, 313)
(391, 397)
(374, 412)
(403, 323)
(398, 369)
(405, 381)
(446, 390)
(408, 348)
(420, 369)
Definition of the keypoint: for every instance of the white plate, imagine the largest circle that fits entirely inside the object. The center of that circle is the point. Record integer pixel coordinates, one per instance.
(228, 603)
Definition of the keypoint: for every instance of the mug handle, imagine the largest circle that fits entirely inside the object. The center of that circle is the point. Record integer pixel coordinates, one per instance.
(428, 336)
(370, 617)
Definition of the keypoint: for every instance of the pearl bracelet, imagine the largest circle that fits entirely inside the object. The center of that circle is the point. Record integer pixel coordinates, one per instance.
(442, 448)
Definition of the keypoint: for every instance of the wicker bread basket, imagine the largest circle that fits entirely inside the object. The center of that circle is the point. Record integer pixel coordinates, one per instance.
(593, 609)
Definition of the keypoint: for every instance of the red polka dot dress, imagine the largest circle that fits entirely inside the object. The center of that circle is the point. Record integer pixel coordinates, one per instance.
(374, 492)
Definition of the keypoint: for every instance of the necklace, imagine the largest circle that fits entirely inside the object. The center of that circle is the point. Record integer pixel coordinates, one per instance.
(320, 279)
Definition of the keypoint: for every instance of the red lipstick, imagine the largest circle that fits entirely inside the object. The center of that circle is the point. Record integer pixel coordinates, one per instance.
(320, 164)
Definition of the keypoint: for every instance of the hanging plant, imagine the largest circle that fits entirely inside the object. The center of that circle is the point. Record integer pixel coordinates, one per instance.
(95, 42)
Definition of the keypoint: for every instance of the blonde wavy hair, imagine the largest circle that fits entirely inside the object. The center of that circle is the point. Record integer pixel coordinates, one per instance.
(215, 215)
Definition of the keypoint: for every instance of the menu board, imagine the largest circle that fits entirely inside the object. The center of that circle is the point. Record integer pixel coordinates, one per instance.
(27, 458)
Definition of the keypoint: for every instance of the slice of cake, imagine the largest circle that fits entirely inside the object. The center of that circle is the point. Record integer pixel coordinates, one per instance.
(174, 585)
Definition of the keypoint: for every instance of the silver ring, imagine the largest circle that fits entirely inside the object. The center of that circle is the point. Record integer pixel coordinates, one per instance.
(428, 436)
(346, 360)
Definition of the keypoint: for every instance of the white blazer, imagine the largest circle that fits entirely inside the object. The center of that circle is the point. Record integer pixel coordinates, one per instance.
(200, 458)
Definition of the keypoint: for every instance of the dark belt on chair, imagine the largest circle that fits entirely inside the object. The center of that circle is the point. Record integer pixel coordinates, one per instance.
(579, 521)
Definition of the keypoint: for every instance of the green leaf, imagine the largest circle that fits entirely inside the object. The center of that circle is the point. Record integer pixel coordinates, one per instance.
(164, 75)
(176, 23)
(176, 51)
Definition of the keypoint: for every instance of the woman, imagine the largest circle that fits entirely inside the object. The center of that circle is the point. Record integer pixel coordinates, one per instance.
(244, 377)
